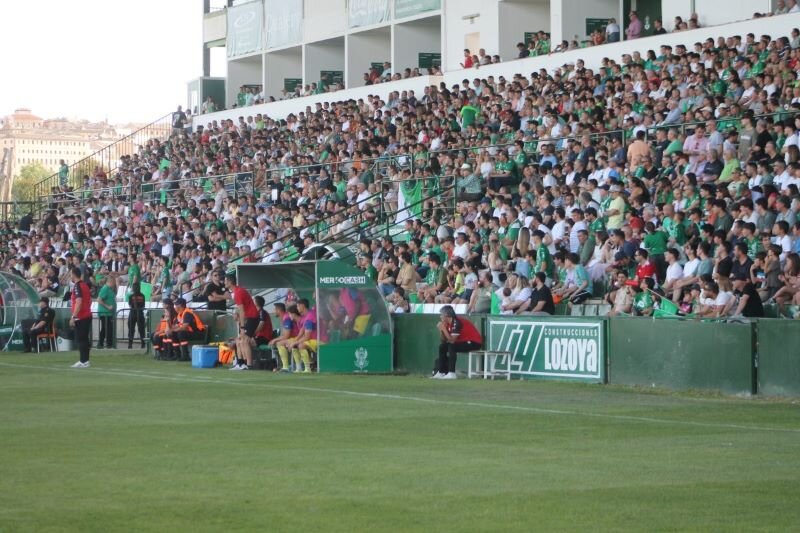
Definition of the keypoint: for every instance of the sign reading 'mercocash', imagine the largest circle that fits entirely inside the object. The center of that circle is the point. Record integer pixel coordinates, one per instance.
(571, 350)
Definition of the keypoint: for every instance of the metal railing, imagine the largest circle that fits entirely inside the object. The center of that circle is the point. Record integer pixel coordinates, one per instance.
(106, 159)
(236, 185)
(13, 211)
(388, 219)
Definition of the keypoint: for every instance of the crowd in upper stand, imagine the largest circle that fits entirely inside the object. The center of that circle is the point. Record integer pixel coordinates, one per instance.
(569, 185)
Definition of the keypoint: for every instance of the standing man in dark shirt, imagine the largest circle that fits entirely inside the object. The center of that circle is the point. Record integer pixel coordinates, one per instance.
(25, 223)
(215, 293)
(42, 324)
(178, 121)
(136, 301)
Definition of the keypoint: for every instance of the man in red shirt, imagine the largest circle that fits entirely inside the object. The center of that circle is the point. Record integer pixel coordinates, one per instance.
(458, 335)
(644, 268)
(246, 314)
(81, 319)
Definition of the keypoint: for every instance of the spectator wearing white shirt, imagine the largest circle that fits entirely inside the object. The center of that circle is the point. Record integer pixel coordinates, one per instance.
(674, 269)
(461, 247)
(578, 225)
(559, 228)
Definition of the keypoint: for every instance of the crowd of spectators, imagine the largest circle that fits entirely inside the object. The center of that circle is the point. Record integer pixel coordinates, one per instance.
(569, 185)
(384, 73)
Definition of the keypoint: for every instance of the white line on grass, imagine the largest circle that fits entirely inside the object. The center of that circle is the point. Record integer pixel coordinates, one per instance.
(110, 371)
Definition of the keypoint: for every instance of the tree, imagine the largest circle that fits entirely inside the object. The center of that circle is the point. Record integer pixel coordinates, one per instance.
(23, 188)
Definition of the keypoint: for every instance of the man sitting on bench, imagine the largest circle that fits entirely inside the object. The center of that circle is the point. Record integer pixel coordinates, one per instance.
(457, 335)
(306, 341)
(188, 327)
(42, 324)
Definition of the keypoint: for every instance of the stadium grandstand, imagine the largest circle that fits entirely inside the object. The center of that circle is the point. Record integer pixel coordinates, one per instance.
(490, 265)
(656, 176)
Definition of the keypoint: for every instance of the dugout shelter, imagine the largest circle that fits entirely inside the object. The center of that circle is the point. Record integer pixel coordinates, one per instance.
(354, 328)
(18, 301)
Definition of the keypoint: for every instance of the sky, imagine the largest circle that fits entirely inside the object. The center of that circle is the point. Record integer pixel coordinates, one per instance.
(125, 61)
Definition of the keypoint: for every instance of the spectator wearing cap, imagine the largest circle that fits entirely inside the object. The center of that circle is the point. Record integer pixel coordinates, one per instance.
(469, 185)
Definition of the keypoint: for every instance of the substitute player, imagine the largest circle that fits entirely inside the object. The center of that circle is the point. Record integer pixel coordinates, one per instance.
(289, 330)
(306, 341)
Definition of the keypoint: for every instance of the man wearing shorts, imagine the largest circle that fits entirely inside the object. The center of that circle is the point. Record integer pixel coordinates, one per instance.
(357, 313)
(246, 314)
(306, 341)
(289, 319)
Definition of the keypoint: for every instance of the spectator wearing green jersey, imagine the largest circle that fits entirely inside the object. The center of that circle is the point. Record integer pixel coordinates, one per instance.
(544, 262)
(468, 113)
(655, 242)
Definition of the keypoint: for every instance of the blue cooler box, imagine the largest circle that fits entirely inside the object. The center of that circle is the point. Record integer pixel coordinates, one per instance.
(204, 356)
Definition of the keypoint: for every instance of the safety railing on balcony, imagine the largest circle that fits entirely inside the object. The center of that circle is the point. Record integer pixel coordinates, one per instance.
(236, 185)
(106, 160)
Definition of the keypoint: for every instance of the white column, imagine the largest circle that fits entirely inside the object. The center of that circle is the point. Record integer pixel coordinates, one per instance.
(557, 22)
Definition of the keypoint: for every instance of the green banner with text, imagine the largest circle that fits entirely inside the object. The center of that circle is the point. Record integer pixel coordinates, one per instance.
(547, 349)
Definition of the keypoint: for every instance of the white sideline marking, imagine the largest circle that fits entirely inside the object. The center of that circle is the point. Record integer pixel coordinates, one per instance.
(207, 379)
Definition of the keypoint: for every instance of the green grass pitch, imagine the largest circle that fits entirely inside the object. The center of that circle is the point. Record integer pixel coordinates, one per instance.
(133, 444)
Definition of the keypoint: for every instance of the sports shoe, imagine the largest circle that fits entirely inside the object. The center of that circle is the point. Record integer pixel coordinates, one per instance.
(81, 365)
(285, 370)
(240, 367)
(438, 375)
(450, 375)
(235, 366)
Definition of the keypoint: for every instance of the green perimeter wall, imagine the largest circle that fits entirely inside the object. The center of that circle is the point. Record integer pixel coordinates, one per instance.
(671, 354)
(681, 354)
(778, 357)
(416, 342)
